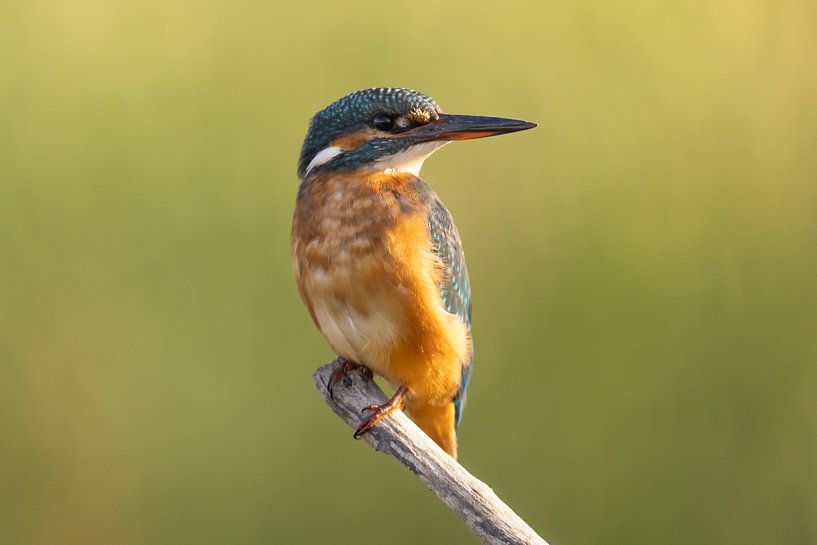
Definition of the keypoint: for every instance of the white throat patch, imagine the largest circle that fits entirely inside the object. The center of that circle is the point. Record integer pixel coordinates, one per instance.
(410, 161)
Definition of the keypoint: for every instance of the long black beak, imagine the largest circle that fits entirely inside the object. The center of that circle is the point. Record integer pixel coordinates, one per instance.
(466, 127)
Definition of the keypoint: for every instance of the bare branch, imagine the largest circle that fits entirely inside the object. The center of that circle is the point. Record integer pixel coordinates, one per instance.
(493, 522)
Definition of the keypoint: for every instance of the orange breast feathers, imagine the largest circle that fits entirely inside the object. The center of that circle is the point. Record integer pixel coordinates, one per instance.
(365, 267)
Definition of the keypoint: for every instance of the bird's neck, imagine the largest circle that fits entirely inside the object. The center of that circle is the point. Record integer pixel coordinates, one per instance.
(409, 161)
(328, 185)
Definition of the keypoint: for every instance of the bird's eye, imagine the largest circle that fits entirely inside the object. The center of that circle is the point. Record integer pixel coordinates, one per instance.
(383, 122)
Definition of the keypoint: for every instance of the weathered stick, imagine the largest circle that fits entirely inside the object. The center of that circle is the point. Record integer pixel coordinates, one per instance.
(493, 522)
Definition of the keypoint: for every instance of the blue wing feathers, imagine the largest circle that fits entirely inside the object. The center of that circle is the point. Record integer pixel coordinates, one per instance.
(455, 288)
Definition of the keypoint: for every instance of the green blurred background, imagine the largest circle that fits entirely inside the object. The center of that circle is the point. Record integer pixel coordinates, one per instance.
(644, 268)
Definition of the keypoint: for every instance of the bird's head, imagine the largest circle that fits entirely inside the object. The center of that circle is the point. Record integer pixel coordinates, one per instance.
(388, 130)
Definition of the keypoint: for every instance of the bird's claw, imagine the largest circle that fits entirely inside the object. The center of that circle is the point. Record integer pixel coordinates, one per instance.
(379, 412)
(340, 374)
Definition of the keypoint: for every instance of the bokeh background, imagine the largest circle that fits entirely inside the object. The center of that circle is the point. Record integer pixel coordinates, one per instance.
(644, 268)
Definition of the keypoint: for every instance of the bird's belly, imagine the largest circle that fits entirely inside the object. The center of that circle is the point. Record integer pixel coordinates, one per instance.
(360, 315)
(387, 314)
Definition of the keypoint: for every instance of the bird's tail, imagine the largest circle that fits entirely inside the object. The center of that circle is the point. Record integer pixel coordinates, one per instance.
(437, 421)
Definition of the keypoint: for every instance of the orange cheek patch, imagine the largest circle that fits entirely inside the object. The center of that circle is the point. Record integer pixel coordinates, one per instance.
(353, 141)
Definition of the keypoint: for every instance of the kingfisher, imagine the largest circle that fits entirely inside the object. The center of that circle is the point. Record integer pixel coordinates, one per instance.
(377, 257)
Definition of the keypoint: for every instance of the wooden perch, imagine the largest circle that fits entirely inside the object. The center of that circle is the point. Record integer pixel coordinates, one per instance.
(493, 522)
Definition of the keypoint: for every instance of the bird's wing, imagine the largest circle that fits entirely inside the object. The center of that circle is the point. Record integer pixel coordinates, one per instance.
(455, 289)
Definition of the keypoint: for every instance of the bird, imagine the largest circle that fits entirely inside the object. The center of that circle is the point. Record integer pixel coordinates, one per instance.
(377, 257)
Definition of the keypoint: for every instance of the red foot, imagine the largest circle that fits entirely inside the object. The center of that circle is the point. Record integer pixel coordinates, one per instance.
(379, 412)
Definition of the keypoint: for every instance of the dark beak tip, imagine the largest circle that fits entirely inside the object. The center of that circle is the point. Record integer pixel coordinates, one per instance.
(517, 126)
(505, 125)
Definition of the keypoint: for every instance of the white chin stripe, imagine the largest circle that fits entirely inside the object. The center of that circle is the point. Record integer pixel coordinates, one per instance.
(410, 161)
(322, 157)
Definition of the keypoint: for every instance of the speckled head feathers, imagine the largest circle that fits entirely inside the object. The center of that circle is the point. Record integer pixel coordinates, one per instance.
(356, 111)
